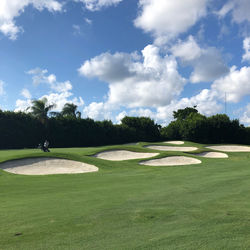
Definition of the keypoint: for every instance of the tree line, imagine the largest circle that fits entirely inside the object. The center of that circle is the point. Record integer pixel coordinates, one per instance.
(68, 129)
(192, 126)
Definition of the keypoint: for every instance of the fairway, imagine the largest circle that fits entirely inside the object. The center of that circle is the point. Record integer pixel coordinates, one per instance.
(126, 205)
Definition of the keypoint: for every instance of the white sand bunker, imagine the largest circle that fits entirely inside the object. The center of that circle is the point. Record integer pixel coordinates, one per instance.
(44, 166)
(121, 155)
(171, 161)
(213, 155)
(230, 148)
(171, 148)
(175, 142)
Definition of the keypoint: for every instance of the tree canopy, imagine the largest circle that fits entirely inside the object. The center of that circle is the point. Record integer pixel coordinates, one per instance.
(40, 109)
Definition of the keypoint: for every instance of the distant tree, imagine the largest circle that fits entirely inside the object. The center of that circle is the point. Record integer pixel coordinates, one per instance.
(40, 109)
(70, 110)
(145, 128)
(182, 114)
(194, 127)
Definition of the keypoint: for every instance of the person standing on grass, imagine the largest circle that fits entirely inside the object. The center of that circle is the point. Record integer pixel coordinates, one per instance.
(46, 146)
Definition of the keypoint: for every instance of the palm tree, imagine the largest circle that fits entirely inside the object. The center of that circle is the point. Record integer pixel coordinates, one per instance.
(69, 110)
(40, 109)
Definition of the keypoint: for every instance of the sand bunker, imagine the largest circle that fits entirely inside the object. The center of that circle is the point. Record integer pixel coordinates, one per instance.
(175, 142)
(213, 155)
(171, 161)
(171, 148)
(44, 166)
(121, 155)
(230, 148)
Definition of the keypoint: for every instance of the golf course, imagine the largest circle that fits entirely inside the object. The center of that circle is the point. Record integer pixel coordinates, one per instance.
(125, 203)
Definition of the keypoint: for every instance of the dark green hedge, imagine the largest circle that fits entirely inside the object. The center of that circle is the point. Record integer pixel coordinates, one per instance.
(20, 130)
(215, 129)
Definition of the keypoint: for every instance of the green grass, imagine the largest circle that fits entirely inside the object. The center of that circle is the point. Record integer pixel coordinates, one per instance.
(126, 205)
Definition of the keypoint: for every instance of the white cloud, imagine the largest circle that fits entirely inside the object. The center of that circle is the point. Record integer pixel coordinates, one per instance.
(61, 86)
(10, 9)
(188, 50)
(40, 76)
(2, 92)
(10, 30)
(245, 118)
(209, 66)
(108, 67)
(120, 116)
(61, 95)
(23, 105)
(166, 19)
(88, 21)
(53, 98)
(94, 5)
(151, 80)
(226, 8)
(145, 112)
(246, 46)
(26, 94)
(235, 84)
(207, 62)
(61, 98)
(51, 78)
(206, 102)
(240, 10)
(98, 111)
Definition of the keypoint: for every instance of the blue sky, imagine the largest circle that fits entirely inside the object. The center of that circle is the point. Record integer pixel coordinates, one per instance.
(127, 57)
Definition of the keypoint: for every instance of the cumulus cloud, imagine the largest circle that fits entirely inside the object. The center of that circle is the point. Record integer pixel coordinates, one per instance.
(53, 98)
(134, 81)
(235, 84)
(209, 66)
(88, 21)
(60, 92)
(207, 62)
(40, 76)
(23, 105)
(246, 46)
(109, 67)
(166, 19)
(120, 116)
(61, 98)
(240, 10)
(206, 102)
(94, 5)
(26, 94)
(10, 9)
(98, 111)
(245, 118)
(188, 50)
